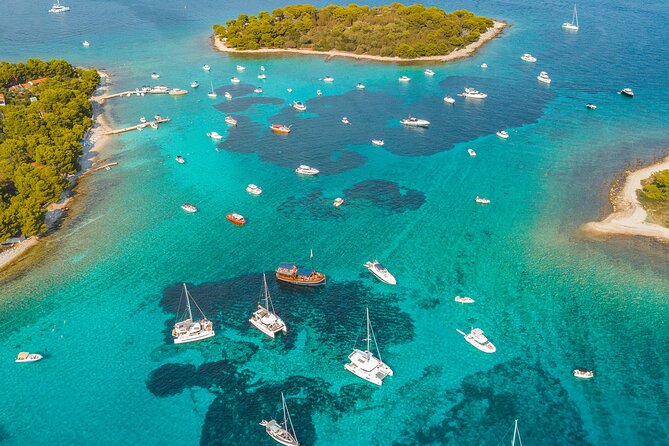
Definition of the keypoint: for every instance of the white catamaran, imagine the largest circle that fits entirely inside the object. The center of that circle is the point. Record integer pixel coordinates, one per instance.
(264, 318)
(364, 364)
(187, 330)
(279, 431)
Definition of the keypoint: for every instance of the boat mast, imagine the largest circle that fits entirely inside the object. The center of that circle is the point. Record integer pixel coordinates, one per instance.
(369, 338)
(190, 313)
(516, 431)
(575, 18)
(311, 256)
(268, 302)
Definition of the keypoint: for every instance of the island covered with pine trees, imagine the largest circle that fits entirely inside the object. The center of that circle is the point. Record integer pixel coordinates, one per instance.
(391, 32)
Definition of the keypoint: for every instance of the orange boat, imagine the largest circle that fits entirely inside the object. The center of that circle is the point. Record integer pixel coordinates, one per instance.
(280, 128)
(236, 218)
(299, 275)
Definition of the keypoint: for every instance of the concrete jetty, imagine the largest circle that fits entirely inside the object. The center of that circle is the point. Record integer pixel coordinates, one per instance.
(140, 126)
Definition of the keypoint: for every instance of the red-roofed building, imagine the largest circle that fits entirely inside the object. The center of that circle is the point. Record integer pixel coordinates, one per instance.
(27, 84)
(2, 100)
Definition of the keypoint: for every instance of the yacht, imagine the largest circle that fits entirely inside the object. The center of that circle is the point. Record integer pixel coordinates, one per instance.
(480, 200)
(527, 57)
(236, 218)
(543, 77)
(318, 92)
(378, 142)
(241, 68)
(472, 93)
(464, 299)
(185, 328)
(258, 90)
(449, 100)
(86, 43)
(262, 76)
(27, 357)
(484, 65)
(591, 106)
(364, 364)
(429, 72)
(206, 67)
(230, 120)
(345, 120)
(180, 159)
(328, 79)
(297, 105)
(338, 202)
(227, 95)
(280, 128)
(381, 272)
(253, 189)
(155, 75)
(471, 152)
(189, 208)
(404, 79)
(573, 26)
(300, 275)
(234, 80)
(502, 134)
(583, 373)
(279, 431)
(214, 135)
(303, 169)
(478, 340)
(415, 122)
(627, 92)
(178, 92)
(264, 318)
(360, 86)
(194, 84)
(57, 8)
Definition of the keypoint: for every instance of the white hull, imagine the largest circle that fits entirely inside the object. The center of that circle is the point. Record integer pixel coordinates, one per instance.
(279, 434)
(265, 329)
(373, 371)
(464, 300)
(384, 276)
(33, 357)
(185, 338)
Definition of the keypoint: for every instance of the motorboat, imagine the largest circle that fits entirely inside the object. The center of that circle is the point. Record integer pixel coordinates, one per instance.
(360, 86)
(180, 159)
(415, 122)
(234, 80)
(27, 357)
(280, 128)
(583, 373)
(206, 67)
(262, 76)
(543, 77)
(627, 92)
(404, 79)
(86, 43)
(345, 120)
(154, 125)
(449, 100)
(258, 90)
(178, 92)
(57, 8)
(300, 275)
(241, 68)
(478, 340)
(236, 218)
(381, 272)
(378, 142)
(227, 95)
(318, 92)
(363, 362)
(142, 119)
(484, 65)
(194, 84)
(155, 75)
(262, 67)
(283, 433)
(303, 169)
(264, 318)
(573, 25)
(481, 200)
(502, 134)
(472, 93)
(464, 299)
(190, 208)
(328, 79)
(338, 202)
(471, 152)
(160, 89)
(527, 57)
(591, 106)
(214, 135)
(140, 127)
(429, 72)
(297, 105)
(158, 118)
(185, 328)
(230, 120)
(253, 189)
(289, 90)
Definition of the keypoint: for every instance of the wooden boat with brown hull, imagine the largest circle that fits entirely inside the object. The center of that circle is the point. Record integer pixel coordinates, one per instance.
(299, 275)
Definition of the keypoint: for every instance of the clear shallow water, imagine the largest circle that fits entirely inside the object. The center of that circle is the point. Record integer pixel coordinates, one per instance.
(103, 301)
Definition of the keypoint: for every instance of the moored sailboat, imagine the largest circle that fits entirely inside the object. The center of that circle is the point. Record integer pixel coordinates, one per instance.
(188, 330)
(364, 364)
(573, 26)
(264, 318)
(279, 431)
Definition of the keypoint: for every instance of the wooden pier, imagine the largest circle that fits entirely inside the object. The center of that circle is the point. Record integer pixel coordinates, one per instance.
(138, 126)
(144, 92)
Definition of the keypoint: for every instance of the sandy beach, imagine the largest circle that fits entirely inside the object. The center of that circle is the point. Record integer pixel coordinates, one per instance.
(461, 53)
(629, 217)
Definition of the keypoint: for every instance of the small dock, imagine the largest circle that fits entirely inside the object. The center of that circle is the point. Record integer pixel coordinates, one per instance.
(138, 92)
(141, 126)
(105, 166)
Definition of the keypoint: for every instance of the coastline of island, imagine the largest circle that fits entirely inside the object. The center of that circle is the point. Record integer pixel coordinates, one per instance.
(629, 216)
(460, 53)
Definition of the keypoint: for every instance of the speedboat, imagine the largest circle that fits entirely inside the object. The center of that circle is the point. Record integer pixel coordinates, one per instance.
(27, 357)
(429, 72)
(591, 106)
(212, 94)
(480, 200)
(378, 142)
(194, 84)
(236, 218)
(502, 134)
(155, 75)
(227, 95)
(415, 122)
(154, 125)
(289, 90)
(214, 135)
(583, 373)
(328, 79)
(253, 189)
(86, 43)
(627, 92)
(464, 299)
(190, 208)
(234, 80)
(230, 120)
(241, 68)
(279, 128)
(381, 272)
(484, 65)
(360, 86)
(527, 57)
(318, 92)
(449, 100)
(57, 8)
(478, 340)
(297, 105)
(142, 119)
(206, 67)
(345, 120)
(338, 202)
(404, 79)
(543, 77)
(262, 76)
(472, 93)
(180, 159)
(471, 152)
(258, 90)
(262, 67)
(303, 169)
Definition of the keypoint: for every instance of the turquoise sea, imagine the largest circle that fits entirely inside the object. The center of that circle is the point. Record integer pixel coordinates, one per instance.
(98, 298)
